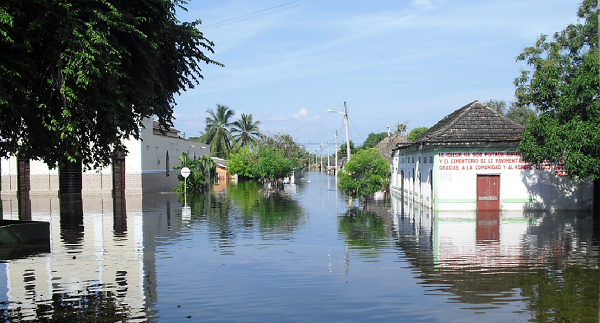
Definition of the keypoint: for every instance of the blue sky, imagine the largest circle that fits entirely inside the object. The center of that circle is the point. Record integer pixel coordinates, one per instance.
(287, 62)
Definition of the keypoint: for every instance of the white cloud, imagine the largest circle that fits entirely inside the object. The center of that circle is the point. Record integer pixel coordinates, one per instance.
(302, 112)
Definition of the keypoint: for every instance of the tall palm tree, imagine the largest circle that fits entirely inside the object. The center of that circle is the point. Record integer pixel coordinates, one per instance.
(217, 131)
(246, 131)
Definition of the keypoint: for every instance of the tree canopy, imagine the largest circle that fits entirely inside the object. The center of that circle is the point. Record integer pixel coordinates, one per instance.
(77, 77)
(217, 132)
(520, 114)
(245, 131)
(562, 84)
(366, 173)
(415, 133)
(373, 139)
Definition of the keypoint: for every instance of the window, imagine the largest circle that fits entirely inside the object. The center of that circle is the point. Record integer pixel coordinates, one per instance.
(413, 159)
(431, 159)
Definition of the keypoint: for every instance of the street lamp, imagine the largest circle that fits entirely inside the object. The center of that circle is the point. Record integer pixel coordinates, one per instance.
(345, 113)
(336, 149)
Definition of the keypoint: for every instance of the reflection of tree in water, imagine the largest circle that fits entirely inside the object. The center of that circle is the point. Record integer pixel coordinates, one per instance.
(95, 304)
(71, 220)
(244, 210)
(364, 230)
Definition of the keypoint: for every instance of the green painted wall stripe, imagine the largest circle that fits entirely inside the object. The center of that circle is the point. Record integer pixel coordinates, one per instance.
(518, 200)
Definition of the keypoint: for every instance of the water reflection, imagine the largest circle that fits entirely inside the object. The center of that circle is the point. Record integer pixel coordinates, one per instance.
(92, 272)
(545, 263)
(300, 254)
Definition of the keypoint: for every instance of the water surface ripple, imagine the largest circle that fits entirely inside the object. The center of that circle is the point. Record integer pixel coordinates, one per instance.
(301, 254)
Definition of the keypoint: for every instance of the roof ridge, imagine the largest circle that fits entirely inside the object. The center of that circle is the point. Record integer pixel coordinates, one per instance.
(452, 122)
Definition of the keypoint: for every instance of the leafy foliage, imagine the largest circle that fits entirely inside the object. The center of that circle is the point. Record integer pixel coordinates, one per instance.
(202, 172)
(77, 77)
(245, 131)
(217, 132)
(518, 113)
(276, 158)
(272, 164)
(343, 151)
(563, 86)
(373, 139)
(290, 149)
(415, 133)
(366, 173)
(239, 163)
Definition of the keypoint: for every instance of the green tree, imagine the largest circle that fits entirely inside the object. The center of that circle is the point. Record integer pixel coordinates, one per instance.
(520, 114)
(562, 84)
(272, 165)
(245, 131)
(203, 171)
(415, 133)
(77, 77)
(497, 105)
(343, 151)
(217, 132)
(240, 161)
(366, 173)
(290, 148)
(373, 139)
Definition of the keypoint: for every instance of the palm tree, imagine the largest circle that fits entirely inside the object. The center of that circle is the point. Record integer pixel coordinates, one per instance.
(217, 131)
(247, 131)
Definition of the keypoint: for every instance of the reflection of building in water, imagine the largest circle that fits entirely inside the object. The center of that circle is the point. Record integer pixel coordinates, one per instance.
(488, 240)
(102, 253)
(468, 161)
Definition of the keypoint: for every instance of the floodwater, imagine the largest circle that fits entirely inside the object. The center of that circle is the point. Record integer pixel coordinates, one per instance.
(298, 255)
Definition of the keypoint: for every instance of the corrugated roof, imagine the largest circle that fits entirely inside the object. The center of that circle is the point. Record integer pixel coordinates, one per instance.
(475, 122)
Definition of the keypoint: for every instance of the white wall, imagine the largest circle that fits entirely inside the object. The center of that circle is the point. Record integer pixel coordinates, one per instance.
(523, 186)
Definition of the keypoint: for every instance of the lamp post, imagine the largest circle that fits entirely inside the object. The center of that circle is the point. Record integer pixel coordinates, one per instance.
(336, 157)
(345, 113)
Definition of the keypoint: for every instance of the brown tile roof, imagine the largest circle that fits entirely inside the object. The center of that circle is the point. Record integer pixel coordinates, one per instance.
(387, 145)
(473, 123)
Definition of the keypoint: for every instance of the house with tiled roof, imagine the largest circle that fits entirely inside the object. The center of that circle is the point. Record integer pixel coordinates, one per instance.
(468, 162)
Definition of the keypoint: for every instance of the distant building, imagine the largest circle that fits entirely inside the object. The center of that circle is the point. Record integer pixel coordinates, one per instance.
(468, 162)
(148, 167)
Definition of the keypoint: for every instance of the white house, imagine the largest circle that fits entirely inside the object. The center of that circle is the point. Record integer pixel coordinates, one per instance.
(468, 162)
(148, 166)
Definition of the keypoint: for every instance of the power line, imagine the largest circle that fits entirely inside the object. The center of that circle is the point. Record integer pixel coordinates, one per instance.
(252, 15)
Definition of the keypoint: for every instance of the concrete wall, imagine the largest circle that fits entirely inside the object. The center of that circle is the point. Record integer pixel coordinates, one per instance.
(452, 174)
(147, 168)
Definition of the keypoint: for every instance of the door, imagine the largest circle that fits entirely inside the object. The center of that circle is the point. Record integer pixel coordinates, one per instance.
(488, 192)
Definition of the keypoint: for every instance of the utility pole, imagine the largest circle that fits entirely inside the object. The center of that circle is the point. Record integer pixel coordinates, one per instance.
(328, 154)
(345, 113)
(347, 133)
(321, 163)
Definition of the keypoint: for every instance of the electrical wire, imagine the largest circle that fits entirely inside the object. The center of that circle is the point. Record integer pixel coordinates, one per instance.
(254, 14)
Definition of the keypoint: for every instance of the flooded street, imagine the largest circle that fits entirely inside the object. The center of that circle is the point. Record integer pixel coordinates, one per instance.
(299, 255)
